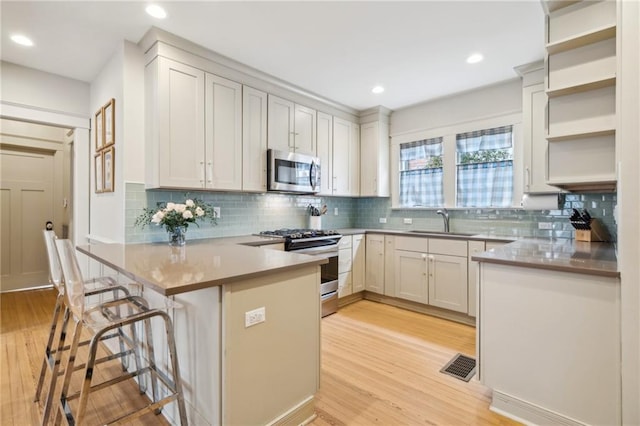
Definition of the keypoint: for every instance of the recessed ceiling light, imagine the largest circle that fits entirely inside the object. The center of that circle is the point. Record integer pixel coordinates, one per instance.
(377, 89)
(475, 58)
(23, 40)
(156, 11)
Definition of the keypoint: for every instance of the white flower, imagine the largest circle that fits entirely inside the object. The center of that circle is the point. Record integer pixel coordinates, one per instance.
(187, 214)
(190, 203)
(199, 211)
(170, 207)
(180, 208)
(157, 218)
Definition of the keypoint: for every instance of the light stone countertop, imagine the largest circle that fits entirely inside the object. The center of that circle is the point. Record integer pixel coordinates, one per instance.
(430, 234)
(558, 255)
(199, 264)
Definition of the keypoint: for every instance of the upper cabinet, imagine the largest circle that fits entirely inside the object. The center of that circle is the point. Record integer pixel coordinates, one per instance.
(291, 127)
(325, 152)
(194, 125)
(346, 158)
(535, 145)
(581, 89)
(254, 140)
(374, 159)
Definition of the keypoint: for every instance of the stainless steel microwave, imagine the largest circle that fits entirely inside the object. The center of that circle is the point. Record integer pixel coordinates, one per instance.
(291, 172)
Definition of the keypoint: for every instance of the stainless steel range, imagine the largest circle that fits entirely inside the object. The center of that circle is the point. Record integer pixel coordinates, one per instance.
(316, 242)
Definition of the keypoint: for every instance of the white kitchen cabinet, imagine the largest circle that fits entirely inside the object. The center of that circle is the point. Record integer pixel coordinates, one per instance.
(375, 263)
(358, 256)
(389, 265)
(291, 127)
(344, 266)
(374, 159)
(581, 70)
(448, 282)
(254, 140)
(475, 247)
(223, 133)
(324, 142)
(175, 124)
(346, 158)
(194, 125)
(411, 276)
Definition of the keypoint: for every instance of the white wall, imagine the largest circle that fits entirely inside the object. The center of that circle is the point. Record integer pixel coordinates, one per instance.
(487, 102)
(107, 209)
(41, 90)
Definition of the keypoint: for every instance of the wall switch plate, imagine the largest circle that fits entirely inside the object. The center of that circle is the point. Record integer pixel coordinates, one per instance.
(335, 211)
(545, 225)
(383, 220)
(216, 211)
(254, 317)
(408, 221)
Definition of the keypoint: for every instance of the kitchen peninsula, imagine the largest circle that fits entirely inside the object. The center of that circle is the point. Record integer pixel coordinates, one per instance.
(227, 366)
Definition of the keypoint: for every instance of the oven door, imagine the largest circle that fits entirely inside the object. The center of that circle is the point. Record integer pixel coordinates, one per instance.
(328, 276)
(292, 172)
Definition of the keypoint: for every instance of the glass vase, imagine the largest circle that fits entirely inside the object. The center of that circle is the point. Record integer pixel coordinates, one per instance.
(177, 236)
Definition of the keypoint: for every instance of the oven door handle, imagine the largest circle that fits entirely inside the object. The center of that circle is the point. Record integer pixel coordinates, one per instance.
(326, 251)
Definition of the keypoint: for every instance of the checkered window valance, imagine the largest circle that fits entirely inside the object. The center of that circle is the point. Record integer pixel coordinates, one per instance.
(421, 173)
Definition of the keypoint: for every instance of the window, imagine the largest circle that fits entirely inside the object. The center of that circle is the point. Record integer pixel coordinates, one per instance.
(485, 168)
(421, 173)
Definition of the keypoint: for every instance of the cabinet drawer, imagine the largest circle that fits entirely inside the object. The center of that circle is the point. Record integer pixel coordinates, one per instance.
(345, 242)
(344, 260)
(418, 244)
(448, 247)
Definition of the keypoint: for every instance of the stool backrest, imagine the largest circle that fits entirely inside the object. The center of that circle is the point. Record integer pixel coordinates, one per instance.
(55, 273)
(73, 281)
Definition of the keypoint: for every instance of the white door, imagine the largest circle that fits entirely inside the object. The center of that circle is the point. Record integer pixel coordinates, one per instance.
(341, 157)
(411, 276)
(324, 147)
(280, 128)
(254, 139)
(26, 188)
(305, 130)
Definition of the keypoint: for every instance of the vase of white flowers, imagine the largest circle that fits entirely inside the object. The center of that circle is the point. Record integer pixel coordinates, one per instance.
(176, 218)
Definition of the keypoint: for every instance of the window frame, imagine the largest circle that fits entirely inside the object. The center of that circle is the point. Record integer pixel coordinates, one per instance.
(448, 134)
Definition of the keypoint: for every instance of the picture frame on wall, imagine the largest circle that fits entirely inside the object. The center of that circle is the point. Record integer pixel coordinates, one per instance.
(108, 111)
(108, 166)
(99, 130)
(99, 175)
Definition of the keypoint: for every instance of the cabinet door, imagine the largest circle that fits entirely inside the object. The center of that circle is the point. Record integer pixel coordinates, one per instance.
(344, 284)
(346, 158)
(389, 265)
(324, 147)
(223, 130)
(180, 126)
(473, 268)
(304, 130)
(374, 159)
(254, 139)
(374, 258)
(534, 102)
(448, 282)
(411, 276)
(280, 128)
(344, 260)
(357, 263)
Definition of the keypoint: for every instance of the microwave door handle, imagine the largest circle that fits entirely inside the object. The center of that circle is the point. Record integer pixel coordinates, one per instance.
(312, 175)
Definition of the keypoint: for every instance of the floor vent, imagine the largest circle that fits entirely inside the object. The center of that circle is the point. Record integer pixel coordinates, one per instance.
(461, 367)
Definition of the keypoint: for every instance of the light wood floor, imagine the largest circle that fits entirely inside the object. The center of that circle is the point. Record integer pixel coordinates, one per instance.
(380, 365)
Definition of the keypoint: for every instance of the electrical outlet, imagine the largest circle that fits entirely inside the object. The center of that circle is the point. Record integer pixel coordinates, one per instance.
(216, 211)
(335, 211)
(254, 317)
(383, 220)
(545, 225)
(408, 221)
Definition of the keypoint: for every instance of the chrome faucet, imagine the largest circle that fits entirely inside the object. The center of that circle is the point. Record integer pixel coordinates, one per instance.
(445, 216)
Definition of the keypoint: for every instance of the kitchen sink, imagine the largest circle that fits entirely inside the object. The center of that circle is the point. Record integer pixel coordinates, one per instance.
(453, 234)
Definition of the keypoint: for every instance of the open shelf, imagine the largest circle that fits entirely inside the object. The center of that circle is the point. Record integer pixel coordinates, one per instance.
(582, 87)
(580, 135)
(582, 39)
(605, 184)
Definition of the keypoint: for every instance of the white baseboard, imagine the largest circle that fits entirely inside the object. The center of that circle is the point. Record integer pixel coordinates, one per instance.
(527, 413)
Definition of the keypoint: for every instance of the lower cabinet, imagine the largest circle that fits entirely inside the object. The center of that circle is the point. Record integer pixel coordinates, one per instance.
(358, 258)
(411, 276)
(374, 277)
(475, 247)
(448, 282)
(351, 265)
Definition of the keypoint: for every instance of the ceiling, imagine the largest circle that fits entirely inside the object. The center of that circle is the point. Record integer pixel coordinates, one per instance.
(336, 49)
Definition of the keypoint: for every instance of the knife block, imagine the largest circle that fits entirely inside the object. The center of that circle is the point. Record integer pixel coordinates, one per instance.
(597, 232)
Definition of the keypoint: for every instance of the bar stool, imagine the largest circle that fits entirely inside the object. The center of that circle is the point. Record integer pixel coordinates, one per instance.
(100, 320)
(94, 287)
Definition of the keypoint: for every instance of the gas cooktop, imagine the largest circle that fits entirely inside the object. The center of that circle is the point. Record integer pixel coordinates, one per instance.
(296, 234)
